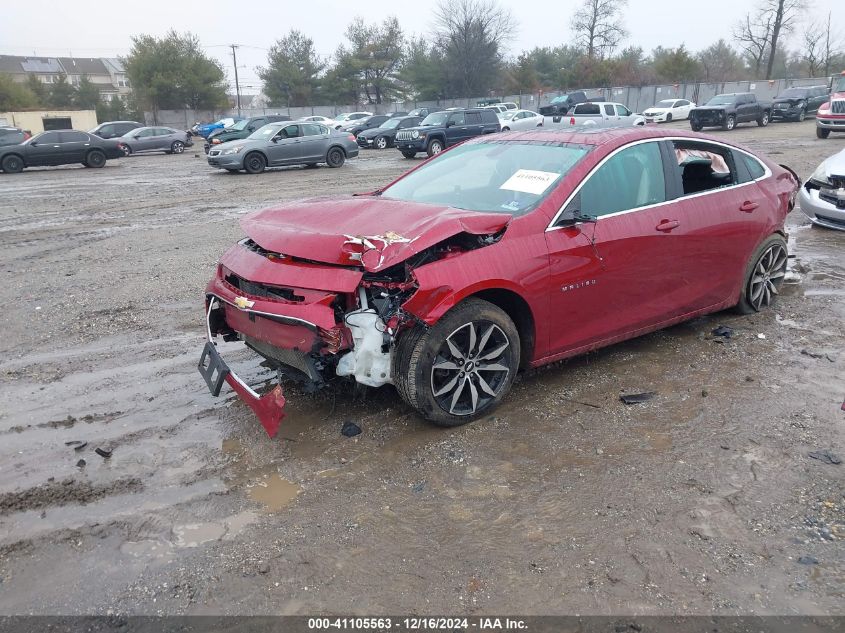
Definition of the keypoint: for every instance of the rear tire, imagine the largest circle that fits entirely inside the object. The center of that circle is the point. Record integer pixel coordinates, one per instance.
(12, 164)
(409, 154)
(730, 123)
(95, 159)
(476, 346)
(763, 121)
(335, 157)
(177, 147)
(822, 133)
(764, 275)
(254, 163)
(127, 150)
(435, 146)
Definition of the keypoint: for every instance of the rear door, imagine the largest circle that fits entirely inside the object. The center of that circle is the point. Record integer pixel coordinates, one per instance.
(313, 144)
(474, 124)
(74, 146)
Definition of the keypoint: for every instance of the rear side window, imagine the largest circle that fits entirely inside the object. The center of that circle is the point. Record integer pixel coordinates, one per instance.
(587, 108)
(312, 129)
(704, 166)
(630, 179)
(608, 109)
(489, 117)
(473, 117)
(755, 168)
(74, 137)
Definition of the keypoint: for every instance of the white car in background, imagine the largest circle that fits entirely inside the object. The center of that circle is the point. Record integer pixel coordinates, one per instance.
(668, 110)
(520, 120)
(346, 118)
(323, 120)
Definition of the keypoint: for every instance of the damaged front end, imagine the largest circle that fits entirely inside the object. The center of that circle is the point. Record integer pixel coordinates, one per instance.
(313, 321)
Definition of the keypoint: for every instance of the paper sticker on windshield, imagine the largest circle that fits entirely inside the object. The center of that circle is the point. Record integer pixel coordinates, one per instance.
(530, 181)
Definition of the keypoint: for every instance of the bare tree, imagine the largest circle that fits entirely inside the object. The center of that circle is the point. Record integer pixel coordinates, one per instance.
(597, 26)
(812, 40)
(830, 46)
(472, 35)
(753, 37)
(783, 15)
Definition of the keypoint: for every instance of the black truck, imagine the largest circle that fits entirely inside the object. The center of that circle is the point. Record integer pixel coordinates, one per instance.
(560, 105)
(729, 110)
(440, 130)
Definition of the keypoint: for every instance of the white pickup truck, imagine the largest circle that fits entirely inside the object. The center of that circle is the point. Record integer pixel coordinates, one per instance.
(600, 114)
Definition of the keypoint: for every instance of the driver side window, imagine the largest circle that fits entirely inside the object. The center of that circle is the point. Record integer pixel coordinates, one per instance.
(631, 178)
(290, 131)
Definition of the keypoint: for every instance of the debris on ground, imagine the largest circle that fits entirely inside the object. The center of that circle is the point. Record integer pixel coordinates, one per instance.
(761, 336)
(808, 560)
(816, 355)
(81, 446)
(75, 443)
(81, 463)
(636, 398)
(350, 429)
(724, 331)
(826, 457)
(103, 453)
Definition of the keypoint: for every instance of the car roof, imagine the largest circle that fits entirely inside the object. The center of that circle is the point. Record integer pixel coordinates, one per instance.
(597, 136)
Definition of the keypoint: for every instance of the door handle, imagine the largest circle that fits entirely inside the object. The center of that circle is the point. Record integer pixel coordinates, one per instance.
(667, 225)
(748, 206)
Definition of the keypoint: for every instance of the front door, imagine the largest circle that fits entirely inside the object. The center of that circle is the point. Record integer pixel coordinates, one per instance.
(617, 275)
(456, 128)
(45, 149)
(285, 150)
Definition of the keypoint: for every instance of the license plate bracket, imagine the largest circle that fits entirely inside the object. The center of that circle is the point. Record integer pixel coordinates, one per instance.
(212, 368)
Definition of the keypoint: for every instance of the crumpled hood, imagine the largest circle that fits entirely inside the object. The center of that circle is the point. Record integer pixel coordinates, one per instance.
(367, 231)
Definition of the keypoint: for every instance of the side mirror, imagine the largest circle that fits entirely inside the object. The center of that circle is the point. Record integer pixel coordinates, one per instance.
(572, 214)
(137, 136)
(450, 123)
(275, 139)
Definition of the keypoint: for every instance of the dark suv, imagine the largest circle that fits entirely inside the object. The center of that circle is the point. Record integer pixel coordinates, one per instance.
(241, 129)
(440, 130)
(797, 103)
(12, 136)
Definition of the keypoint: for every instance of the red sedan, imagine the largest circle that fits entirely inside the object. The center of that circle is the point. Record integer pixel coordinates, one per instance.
(506, 252)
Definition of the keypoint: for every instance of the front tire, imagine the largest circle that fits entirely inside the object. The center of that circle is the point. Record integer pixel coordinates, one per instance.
(764, 275)
(669, 118)
(461, 368)
(409, 154)
(730, 123)
(695, 127)
(12, 164)
(506, 129)
(802, 114)
(254, 163)
(763, 121)
(335, 157)
(435, 146)
(177, 147)
(380, 143)
(822, 133)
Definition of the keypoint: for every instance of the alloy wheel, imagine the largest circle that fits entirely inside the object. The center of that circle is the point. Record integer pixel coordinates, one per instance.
(381, 142)
(767, 276)
(471, 368)
(178, 147)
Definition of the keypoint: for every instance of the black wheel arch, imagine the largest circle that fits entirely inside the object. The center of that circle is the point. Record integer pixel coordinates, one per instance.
(21, 156)
(517, 308)
(338, 146)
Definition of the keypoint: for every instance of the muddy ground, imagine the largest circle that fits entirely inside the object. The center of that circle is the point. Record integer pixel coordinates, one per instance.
(701, 501)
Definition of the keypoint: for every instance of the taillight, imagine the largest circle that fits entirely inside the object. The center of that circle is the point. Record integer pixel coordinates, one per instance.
(572, 120)
(351, 137)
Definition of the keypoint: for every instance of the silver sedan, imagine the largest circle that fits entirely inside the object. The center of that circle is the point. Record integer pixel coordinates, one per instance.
(155, 139)
(282, 144)
(822, 198)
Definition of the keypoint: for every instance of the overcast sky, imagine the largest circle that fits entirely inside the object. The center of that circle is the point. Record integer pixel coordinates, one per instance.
(94, 28)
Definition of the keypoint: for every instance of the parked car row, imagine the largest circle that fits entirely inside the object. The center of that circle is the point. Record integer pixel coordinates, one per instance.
(62, 147)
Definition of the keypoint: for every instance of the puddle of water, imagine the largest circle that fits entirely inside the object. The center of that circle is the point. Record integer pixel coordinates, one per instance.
(274, 492)
(145, 549)
(195, 534)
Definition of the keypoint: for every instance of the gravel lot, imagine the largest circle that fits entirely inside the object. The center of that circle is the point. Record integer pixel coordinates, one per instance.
(701, 501)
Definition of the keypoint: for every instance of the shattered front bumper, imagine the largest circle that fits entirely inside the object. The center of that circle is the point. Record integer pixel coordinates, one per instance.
(269, 408)
(829, 213)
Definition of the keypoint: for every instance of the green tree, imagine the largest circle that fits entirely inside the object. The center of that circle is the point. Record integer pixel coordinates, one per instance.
(87, 94)
(341, 83)
(14, 95)
(172, 72)
(720, 62)
(375, 54)
(674, 64)
(291, 77)
(38, 88)
(522, 77)
(423, 70)
(61, 94)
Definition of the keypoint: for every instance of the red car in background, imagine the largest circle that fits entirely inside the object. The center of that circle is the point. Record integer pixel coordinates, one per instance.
(506, 252)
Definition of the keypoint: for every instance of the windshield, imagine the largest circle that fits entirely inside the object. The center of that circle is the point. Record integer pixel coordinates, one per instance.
(342, 117)
(721, 100)
(666, 103)
(560, 99)
(391, 123)
(498, 177)
(240, 125)
(435, 118)
(840, 85)
(266, 133)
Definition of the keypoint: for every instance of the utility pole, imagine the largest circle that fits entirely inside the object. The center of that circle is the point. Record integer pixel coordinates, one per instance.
(237, 85)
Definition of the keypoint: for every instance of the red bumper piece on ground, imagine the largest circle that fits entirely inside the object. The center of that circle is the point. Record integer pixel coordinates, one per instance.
(269, 408)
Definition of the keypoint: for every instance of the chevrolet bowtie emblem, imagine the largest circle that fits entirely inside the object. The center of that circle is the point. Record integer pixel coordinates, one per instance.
(243, 303)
